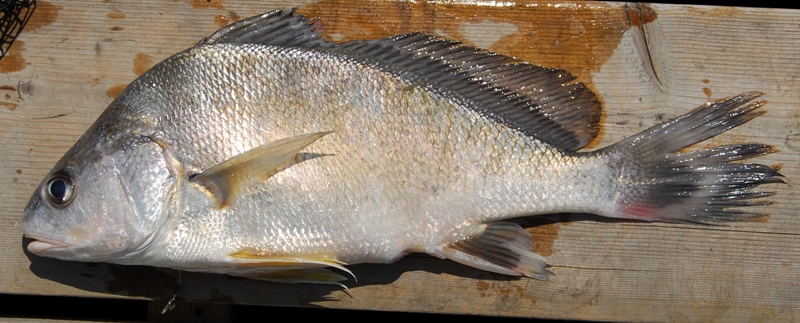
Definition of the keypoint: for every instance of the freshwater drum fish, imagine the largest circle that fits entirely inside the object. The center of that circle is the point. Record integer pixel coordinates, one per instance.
(268, 152)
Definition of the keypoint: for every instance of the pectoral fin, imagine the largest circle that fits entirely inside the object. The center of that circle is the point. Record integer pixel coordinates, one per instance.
(225, 180)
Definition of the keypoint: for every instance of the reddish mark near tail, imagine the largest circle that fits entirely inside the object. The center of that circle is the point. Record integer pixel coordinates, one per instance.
(642, 212)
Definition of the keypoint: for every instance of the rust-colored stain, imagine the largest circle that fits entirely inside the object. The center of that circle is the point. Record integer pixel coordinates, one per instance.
(203, 4)
(716, 11)
(7, 96)
(116, 14)
(545, 235)
(576, 36)
(641, 14)
(706, 81)
(501, 289)
(9, 105)
(521, 293)
(115, 90)
(8, 87)
(13, 61)
(116, 28)
(45, 14)
(141, 63)
(94, 81)
(707, 92)
(483, 287)
(224, 20)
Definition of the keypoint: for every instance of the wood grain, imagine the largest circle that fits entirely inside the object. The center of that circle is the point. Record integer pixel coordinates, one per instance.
(648, 63)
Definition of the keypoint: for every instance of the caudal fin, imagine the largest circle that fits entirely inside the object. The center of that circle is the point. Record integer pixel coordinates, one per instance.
(659, 184)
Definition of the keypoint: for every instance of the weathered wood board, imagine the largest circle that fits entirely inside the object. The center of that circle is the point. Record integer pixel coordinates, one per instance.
(648, 63)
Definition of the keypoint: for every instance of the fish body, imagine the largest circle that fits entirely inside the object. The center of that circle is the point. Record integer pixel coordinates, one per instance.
(267, 152)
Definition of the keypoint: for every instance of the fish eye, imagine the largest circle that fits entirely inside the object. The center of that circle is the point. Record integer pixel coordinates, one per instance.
(59, 190)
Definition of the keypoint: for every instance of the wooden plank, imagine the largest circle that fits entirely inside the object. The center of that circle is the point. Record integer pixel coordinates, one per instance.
(647, 62)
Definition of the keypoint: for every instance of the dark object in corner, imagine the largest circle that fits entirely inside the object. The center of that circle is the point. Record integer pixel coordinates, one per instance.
(14, 14)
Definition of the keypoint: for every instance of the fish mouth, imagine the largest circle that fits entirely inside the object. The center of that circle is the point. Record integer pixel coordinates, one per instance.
(41, 244)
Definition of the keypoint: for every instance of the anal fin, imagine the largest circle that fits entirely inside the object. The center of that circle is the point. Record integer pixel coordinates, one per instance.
(503, 248)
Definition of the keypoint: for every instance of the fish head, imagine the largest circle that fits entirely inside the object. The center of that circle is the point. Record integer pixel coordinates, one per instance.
(102, 202)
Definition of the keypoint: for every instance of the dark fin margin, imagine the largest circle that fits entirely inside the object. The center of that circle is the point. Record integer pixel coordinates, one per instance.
(547, 104)
(276, 28)
(660, 184)
(504, 248)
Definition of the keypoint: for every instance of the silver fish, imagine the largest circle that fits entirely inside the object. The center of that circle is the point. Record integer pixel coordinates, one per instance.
(267, 152)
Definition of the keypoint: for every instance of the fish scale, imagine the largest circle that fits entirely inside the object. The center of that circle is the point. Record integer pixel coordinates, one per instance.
(267, 152)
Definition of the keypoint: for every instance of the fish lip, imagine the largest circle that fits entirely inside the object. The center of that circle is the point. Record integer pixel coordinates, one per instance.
(41, 244)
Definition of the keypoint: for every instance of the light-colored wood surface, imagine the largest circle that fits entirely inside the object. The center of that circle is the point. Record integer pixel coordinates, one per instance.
(647, 62)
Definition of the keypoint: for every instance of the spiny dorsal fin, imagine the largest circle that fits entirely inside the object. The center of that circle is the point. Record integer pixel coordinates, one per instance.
(544, 103)
(276, 28)
(225, 180)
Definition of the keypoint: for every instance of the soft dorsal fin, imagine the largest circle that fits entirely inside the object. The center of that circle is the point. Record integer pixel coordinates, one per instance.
(225, 180)
(276, 28)
(544, 103)
(547, 104)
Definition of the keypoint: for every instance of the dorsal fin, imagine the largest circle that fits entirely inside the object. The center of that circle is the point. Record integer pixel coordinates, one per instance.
(544, 103)
(276, 28)
(547, 104)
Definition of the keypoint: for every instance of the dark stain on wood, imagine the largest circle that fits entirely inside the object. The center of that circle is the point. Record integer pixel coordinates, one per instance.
(717, 12)
(521, 293)
(13, 61)
(9, 105)
(641, 14)
(706, 81)
(115, 90)
(44, 15)
(116, 28)
(483, 287)
(707, 92)
(19, 171)
(141, 63)
(60, 115)
(576, 36)
(204, 4)
(545, 235)
(224, 20)
(116, 14)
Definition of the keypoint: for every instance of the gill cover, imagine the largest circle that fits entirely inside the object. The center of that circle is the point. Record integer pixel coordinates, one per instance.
(98, 207)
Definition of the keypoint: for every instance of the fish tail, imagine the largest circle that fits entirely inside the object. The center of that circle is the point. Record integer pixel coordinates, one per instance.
(659, 183)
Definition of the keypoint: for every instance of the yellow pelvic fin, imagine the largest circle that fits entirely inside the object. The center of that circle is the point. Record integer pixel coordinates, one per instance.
(248, 258)
(225, 180)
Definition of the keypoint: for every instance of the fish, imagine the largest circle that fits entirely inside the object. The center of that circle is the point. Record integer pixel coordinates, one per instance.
(268, 152)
